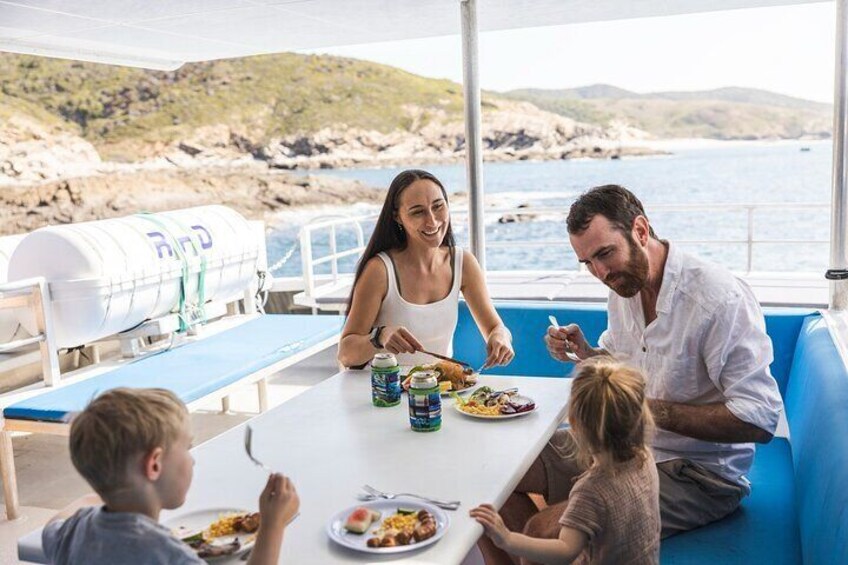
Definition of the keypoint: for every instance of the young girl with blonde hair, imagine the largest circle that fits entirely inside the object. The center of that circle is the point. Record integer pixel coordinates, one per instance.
(612, 515)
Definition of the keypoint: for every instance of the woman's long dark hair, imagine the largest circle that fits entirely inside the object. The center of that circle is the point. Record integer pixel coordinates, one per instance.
(387, 232)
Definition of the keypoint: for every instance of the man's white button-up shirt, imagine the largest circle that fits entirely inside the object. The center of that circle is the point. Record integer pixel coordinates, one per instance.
(708, 344)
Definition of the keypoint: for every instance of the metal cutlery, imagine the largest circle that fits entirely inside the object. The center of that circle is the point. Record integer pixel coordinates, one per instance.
(374, 493)
(446, 358)
(248, 440)
(568, 352)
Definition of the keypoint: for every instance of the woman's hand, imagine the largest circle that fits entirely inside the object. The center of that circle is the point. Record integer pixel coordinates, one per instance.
(398, 339)
(499, 348)
(492, 522)
(563, 339)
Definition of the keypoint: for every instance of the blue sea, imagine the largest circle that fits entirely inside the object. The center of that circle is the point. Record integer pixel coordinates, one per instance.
(790, 172)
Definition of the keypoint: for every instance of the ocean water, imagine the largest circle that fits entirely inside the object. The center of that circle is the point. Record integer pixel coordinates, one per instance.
(786, 173)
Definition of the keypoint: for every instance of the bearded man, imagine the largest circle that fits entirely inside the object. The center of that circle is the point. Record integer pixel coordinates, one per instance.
(698, 335)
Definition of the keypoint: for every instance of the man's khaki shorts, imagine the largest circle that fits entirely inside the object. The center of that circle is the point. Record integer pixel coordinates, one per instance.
(690, 495)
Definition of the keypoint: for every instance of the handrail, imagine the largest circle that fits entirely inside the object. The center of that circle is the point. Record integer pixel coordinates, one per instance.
(332, 222)
(33, 294)
(309, 262)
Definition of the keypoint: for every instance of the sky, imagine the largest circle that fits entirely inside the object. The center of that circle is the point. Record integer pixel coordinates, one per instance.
(789, 50)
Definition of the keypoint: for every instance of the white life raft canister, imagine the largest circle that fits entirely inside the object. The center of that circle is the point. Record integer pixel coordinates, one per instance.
(109, 276)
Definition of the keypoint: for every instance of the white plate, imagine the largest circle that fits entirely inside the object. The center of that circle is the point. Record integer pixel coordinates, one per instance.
(199, 520)
(358, 542)
(500, 417)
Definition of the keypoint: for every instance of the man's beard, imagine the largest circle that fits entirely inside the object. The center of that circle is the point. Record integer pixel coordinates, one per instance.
(632, 279)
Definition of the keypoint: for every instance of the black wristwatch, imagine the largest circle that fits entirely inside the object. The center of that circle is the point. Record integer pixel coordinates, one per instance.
(374, 337)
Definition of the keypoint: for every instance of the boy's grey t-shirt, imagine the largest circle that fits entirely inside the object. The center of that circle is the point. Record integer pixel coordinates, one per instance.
(96, 536)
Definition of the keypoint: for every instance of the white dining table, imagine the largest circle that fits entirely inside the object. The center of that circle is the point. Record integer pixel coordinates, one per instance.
(331, 440)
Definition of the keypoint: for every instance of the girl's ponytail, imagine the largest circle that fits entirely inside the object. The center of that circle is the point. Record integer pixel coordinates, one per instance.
(609, 411)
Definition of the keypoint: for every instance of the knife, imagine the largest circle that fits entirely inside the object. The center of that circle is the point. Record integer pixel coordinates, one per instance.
(446, 358)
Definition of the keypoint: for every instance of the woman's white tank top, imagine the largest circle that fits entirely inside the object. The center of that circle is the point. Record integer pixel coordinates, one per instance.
(432, 324)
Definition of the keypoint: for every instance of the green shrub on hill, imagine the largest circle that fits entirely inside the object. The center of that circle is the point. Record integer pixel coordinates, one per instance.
(262, 97)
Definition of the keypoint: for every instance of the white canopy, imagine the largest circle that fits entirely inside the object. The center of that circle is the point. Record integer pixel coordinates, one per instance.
(164, 34)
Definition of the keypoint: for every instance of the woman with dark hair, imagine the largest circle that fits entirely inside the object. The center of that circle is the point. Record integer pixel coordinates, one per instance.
(407, 284)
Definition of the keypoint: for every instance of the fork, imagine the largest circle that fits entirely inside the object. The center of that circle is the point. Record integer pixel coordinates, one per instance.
(451, 505)
(248, 439)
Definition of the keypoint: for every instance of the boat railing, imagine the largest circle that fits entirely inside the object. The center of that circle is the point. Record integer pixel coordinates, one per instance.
(312, 281)
(309, 261)
(32, 294)
(750, 241)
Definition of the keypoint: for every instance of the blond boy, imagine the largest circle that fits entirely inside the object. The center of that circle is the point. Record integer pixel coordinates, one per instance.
(132, 446)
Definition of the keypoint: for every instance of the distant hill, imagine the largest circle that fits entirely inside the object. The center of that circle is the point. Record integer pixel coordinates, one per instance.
(60, 117)
(258, 97)
(724, 113)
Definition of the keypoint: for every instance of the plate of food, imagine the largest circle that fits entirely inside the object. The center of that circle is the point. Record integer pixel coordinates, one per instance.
(489, 404)
(217, 533)
(451, 377)
(388, 526)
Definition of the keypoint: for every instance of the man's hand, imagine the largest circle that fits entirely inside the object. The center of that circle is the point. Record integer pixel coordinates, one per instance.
(561, 340)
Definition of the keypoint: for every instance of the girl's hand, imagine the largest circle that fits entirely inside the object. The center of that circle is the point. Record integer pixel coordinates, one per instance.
(499, 348)
(398, 339)
(494, 525)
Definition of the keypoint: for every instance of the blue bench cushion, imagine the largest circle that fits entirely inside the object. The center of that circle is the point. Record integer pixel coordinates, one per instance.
(763, 530)
(817, 410)
(193, 370)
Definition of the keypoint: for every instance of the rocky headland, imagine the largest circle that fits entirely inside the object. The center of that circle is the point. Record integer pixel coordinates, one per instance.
(49, 174)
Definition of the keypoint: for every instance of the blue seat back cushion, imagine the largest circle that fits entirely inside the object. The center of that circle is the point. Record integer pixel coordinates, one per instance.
(817, 410)
(528, 322)
(783, 326)
(194, 370)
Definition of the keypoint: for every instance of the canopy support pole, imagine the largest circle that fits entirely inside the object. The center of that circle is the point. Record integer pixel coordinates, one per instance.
(838, 271)
(473, 130)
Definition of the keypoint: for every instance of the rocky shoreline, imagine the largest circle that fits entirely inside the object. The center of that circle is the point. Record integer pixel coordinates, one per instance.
(50, 175)
(254, 191)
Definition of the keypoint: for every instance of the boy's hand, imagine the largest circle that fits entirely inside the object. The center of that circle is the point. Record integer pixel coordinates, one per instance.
(492, 522)
(278, 505)
(278, 502)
